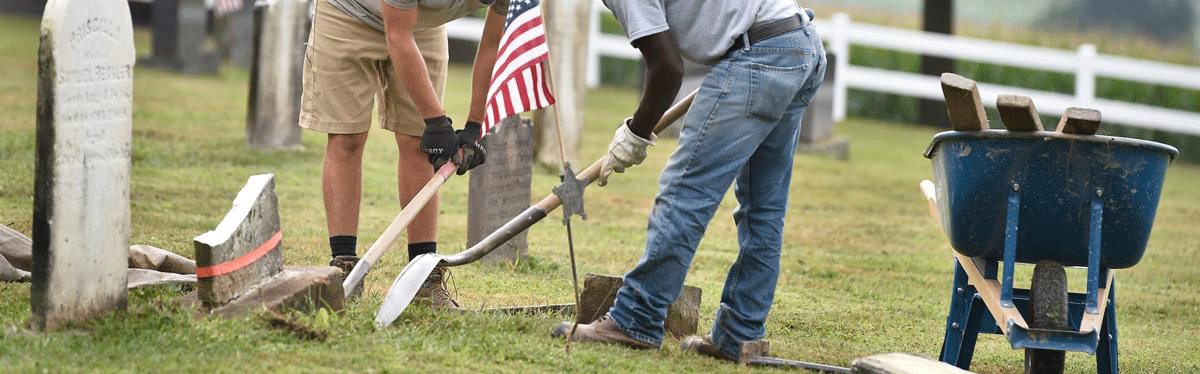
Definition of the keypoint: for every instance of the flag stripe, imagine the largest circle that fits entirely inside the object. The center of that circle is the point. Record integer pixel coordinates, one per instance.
(519, 83)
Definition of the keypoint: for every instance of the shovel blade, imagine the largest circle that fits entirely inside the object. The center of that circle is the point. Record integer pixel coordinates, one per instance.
(405, 287)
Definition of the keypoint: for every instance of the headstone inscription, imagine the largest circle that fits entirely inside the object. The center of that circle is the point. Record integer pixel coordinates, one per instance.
(499, 189)
(81, 192)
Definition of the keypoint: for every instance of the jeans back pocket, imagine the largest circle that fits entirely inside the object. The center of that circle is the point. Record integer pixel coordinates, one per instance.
(773, 88)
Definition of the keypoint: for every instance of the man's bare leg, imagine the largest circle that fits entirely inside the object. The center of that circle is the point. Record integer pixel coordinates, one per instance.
(341, 187)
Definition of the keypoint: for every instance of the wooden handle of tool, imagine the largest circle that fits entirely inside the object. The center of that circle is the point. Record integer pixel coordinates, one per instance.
(930, 192)
(592, 172)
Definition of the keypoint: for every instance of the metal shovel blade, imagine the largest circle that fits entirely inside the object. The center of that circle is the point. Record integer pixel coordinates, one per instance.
(405, 287)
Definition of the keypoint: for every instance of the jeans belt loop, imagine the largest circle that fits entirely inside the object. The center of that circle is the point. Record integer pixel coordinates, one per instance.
(746, 40)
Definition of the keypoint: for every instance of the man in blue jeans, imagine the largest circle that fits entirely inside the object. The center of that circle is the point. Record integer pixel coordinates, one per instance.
(767, 61)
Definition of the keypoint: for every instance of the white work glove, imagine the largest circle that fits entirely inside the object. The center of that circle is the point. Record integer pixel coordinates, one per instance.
(626, 149)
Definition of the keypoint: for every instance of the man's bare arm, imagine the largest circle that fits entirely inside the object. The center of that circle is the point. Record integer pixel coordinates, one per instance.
(664, 73)
(406, 58)
(485, 61)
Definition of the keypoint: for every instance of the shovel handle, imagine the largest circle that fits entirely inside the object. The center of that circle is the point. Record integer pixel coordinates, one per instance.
(535, 213)
(389, 235)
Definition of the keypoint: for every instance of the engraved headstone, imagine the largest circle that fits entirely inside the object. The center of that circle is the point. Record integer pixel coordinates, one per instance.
(180, 38)
(276, 78)
(81, 186)
(244, 249)
(499, 189)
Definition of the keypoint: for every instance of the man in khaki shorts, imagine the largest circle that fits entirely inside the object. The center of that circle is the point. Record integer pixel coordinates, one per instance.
(391, 54)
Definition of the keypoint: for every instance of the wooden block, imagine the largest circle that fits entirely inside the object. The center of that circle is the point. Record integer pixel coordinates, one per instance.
(963, 105)
(1080, 121)
(1018, 113)
(903, 363)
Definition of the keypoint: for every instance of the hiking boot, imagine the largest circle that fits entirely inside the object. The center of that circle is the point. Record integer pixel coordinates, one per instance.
(704, 345)
(433, 291)
(346, 263)
(603, 330)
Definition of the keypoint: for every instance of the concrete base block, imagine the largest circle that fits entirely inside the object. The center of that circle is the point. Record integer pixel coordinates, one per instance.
(903, 363)
(599, 291)
(837, 148)
(295, 288)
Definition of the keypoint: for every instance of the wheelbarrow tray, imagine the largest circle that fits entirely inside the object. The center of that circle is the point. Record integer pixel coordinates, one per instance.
(1056, 179)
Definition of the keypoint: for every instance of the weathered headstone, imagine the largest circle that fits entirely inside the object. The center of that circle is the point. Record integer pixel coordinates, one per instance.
(816, 131)
(235, 34)
(964, 107)
(599, 291)
(180, 38)
(240, 263)
(276, 75)
(1018, 113)
(499, 189)
(81, 186)
(1079, 121)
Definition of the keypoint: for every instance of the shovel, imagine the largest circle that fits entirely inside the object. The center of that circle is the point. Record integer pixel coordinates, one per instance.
(355, 278)
(406, 284)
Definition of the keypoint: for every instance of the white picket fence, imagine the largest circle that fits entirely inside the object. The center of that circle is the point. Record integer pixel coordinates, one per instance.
(839, 33)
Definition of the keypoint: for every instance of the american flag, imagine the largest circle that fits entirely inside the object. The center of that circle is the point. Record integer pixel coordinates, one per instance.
(519, 78)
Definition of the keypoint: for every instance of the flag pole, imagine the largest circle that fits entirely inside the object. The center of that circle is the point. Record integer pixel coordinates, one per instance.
(562, 151)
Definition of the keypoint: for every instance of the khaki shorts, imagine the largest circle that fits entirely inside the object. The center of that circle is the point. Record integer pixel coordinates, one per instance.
(347, 69)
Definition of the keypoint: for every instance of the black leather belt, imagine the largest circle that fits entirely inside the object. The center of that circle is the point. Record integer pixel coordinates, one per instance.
(767, 29)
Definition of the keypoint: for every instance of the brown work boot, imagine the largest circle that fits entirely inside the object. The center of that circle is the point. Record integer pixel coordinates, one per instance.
(433, 291)
(346, 263)
(704, 345)
(603, 330)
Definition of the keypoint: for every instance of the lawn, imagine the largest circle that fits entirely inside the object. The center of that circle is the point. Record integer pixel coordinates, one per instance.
(865, 270)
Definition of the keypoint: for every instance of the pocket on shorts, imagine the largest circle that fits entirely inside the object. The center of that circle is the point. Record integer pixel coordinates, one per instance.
(772, 89)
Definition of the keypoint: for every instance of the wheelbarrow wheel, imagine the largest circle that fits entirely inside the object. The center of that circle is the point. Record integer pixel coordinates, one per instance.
(1048, 304)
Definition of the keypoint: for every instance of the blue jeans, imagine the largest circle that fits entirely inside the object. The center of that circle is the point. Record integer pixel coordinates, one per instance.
(741, 130)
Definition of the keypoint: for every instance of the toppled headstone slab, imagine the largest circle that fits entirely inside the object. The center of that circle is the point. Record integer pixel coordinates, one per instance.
(239, 265)
(81, 175)
(16, 248)
(599, 291)
(244, 250)
(153, 258)
(145, 277)
(903, 363)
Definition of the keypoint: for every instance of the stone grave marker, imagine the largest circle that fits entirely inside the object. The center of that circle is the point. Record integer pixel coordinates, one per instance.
(81, 186)
(816, 129)
(599, 291)
(276, 74)
(499, 189)
(180, 38)
(239, 265)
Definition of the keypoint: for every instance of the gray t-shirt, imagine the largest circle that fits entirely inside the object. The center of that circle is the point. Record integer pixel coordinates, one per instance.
(433, 13)
(704, 29)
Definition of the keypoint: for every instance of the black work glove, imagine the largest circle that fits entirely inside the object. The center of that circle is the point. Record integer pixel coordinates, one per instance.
(473, 152)
(439, 141)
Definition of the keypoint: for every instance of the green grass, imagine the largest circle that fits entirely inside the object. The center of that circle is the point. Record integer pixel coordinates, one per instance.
(865, 271)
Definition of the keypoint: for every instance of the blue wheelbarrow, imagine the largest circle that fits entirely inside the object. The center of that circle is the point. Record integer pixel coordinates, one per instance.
(1046, 198)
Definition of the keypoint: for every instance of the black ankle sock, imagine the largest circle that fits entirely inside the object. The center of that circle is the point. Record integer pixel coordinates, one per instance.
(417, 249)
(343, 245)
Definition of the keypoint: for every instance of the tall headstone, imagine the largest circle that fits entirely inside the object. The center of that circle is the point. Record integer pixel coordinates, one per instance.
(81, 186)
(499, 189)
(180, 38)
(276, 77)
(567, 25)
(816, 131)
(235, 32)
